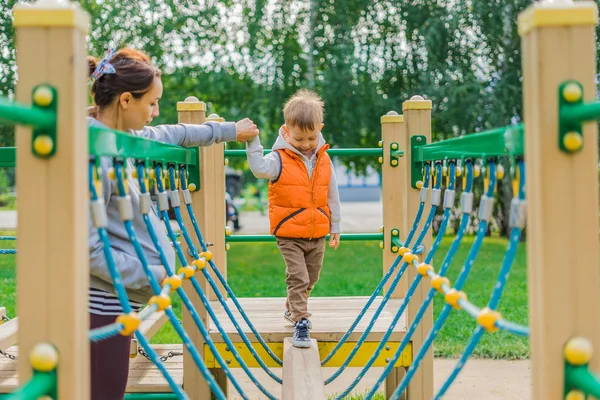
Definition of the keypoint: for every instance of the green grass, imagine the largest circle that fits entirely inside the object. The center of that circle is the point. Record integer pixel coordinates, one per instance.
(257, 270)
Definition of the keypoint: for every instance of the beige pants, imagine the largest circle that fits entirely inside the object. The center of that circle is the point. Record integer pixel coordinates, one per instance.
(303, 261)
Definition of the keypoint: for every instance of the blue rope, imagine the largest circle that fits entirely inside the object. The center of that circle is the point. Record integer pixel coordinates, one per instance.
(413, 287)
(121, 293)
(8, 251)
(385, 278)
(473, 252)
(8, 238)
(511, 252)
(513, 328)
(387, 296)
(222, 278)
(169, 311)
(214, 287)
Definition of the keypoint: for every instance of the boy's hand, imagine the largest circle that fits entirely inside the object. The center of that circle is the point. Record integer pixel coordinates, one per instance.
(245, 130)
(334, 240)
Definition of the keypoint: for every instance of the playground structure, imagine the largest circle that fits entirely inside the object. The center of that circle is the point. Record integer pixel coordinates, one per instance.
(560, 154)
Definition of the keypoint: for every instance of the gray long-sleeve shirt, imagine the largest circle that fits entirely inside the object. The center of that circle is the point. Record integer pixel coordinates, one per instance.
(126, 260)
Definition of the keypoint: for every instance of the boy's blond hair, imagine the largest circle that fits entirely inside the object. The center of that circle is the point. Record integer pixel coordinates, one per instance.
(304, 110)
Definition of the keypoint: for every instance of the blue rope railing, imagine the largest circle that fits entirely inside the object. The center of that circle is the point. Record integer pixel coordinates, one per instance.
(385, 279)
(385, 299)
(511, 252)
(122, 295)
(413, 286)
(222, 279)
(471, 257)
(212, 284)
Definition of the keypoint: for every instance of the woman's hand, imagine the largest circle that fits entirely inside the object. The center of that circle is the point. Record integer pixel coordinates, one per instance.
(245, 130)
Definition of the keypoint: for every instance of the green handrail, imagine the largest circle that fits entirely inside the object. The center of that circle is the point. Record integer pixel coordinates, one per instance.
(581, 378)
(331, 152)
(17, 113)
(270, 238)
(40, 384)
(8, 157)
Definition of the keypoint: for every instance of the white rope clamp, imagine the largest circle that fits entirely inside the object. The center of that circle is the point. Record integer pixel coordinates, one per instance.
(145, 203)
(175, 199)
(518, 213)
(436, 197)
(187, 196)
(163, 201)
(98, 210)
(486, 208)
(466, 202)
(424, 193)
(125, 208)
(449, 196)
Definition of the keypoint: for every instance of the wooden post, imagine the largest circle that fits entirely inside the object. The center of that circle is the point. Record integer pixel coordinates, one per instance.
(52, 250)
(558, 40)
(394, 182)
(417, 121)
(193, 111)
(213, 197)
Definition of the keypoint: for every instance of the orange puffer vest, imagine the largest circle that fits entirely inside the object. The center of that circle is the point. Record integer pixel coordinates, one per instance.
(297, 204)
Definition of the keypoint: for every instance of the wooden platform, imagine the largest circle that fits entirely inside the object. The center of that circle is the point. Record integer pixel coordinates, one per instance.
(331, 318)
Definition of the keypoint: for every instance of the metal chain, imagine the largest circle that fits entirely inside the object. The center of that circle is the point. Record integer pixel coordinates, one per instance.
(7, 355)
(162, 358)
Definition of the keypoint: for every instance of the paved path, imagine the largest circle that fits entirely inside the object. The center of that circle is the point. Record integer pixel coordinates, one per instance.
(480, 380)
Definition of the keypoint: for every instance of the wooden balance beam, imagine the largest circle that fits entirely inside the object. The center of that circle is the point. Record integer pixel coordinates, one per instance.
(302, 375)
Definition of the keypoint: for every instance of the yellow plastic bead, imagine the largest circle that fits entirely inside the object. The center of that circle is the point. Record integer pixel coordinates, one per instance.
(380, 159)
(206, 254)
(444, 171)
(380, 143)
(381, 227)
(43, 357)
(476, 171)
(227, 247)
(572, 141)
(199, 263)
(394, 162)
(438, 281)
(575, 395)
(175, 282)
(381, 245)
(403, 250)
(458, 171)
(152, 173)
(227, 161)
(572, 92)
(227, 231)
(423, 268)
(111, 174)
(162, 301)
(187, 271)
(395, 232)
(419, 184)
(192, 187)
(131, 323)
(578, 351)
(453, 296)
(394, 249)
(487, 319)
(500, 172)
(43, 145)
(409, 258)
(134, 174)
(43, 96)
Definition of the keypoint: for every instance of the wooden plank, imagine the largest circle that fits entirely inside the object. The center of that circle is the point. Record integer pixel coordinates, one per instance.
(417, 121)
(330, 319)
(193, 111)
(152, 324)
(54, 204)
(302, 375)
(8, 333)
(566, 282)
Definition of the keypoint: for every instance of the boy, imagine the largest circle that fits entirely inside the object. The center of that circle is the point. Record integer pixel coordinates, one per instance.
(304, 204)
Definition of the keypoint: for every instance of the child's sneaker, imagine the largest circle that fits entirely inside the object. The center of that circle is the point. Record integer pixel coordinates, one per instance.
(288, 316)
(301, 336)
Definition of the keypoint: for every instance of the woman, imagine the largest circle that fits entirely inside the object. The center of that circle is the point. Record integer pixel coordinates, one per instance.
(126, 90)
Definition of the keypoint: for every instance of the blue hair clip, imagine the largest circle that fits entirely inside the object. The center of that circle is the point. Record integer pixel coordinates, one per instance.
(105, 67)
